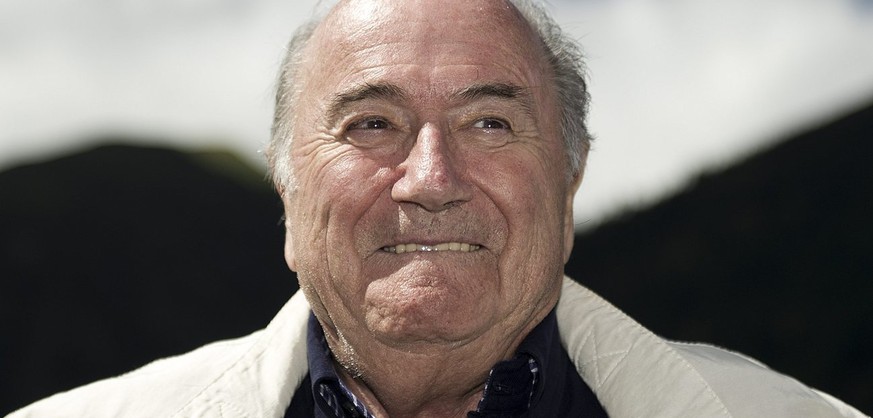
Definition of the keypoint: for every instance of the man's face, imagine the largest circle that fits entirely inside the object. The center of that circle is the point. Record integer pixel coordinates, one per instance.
(432, 203)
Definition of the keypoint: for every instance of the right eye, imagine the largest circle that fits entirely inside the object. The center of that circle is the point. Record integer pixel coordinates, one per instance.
(371, 123)
(373, 132)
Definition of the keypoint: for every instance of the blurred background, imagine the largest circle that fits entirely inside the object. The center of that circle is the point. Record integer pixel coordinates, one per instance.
(727, 197)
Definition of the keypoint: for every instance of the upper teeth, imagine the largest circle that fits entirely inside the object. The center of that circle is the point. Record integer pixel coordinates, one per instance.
(446, 246)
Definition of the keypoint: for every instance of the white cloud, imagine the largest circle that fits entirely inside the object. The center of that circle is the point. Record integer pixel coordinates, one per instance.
(677, 85)
(201, 71)
(683, 85)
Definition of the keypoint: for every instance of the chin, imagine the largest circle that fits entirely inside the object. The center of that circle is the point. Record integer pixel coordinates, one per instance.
(429, 316)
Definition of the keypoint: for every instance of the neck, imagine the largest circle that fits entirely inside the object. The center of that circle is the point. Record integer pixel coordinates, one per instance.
(411, 394)
(427, 380)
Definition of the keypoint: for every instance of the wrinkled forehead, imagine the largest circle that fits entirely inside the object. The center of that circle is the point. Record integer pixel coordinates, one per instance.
(438, 14)
(422, 45)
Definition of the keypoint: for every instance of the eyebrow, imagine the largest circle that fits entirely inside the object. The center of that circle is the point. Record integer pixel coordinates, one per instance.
(502, 91)
(393, 92)
(366, 91)
(495, 90)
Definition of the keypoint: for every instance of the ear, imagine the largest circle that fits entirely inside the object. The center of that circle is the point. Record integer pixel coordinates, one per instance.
(290, 255)
(569, 224)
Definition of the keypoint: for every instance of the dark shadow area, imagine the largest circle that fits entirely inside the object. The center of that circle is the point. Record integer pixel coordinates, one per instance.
(119, 255)
(770, 257)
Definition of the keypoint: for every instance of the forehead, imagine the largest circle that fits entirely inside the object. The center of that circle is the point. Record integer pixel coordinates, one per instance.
(425, 46)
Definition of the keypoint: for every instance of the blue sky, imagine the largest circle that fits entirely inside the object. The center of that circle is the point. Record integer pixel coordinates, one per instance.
(678, 86)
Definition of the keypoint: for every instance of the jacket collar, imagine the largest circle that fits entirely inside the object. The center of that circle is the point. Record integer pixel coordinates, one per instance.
(632, 371)
(628, 367)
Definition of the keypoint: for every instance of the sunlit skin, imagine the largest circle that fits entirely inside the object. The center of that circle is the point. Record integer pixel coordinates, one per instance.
(430, 123)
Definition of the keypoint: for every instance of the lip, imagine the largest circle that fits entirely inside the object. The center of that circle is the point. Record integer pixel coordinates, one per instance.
(443, 246)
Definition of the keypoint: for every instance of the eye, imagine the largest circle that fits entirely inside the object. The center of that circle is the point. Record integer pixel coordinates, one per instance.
(374, 132)
(491, 123)
(371, 123)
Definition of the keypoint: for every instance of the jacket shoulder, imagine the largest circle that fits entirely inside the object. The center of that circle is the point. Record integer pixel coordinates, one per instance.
(634, 372)
(156, 389)
(747, 387)
(252, 376)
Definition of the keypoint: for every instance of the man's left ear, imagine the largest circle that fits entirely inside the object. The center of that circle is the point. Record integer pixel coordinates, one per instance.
(569, 223)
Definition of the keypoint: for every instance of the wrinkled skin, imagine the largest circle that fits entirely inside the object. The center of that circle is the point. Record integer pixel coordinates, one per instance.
(427, 122)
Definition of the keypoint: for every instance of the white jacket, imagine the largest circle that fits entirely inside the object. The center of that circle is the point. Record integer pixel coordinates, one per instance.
(633, 372)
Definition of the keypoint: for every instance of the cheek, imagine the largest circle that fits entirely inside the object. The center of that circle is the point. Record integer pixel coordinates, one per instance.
(333, 194)
(333, 176)
(526, 187)
(529, 190)
(335, 190)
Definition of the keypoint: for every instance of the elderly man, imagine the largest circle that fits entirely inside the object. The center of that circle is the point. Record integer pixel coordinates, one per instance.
(427, 153)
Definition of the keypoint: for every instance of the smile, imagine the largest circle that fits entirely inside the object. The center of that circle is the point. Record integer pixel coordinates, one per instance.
(446, 246)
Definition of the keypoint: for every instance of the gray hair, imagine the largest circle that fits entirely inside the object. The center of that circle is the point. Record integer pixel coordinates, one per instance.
(562, 52)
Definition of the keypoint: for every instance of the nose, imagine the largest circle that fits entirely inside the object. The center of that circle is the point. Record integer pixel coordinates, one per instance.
(431, 177)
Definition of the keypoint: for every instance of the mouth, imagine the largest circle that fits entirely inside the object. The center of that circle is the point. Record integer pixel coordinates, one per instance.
(445, 246)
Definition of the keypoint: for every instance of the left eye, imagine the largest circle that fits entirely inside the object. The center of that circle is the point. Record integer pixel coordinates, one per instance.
(491, 124)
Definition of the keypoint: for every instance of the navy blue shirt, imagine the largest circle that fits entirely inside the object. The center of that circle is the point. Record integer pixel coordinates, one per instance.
(540, 381)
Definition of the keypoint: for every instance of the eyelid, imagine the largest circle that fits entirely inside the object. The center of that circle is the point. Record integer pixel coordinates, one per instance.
(504, 122)
(358, 123)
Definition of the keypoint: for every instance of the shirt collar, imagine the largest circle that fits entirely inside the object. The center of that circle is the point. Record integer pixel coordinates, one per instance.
(512, 387)
(332, 398)
(543, 346)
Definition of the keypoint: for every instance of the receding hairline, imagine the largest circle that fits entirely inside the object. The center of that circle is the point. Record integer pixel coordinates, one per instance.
(563, 64)
(318, 34)
(320, 39)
